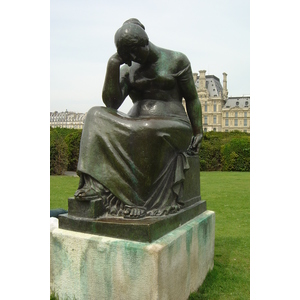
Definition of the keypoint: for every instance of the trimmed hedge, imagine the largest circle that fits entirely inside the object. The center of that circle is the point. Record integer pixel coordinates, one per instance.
(225, 151)
(219, 151)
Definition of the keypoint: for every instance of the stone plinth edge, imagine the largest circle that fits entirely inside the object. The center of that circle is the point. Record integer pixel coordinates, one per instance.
(142, 230)
(88, 266)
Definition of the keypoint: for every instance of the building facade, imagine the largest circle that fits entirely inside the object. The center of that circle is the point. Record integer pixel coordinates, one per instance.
(67, 119)
(220, 112)
(236, 114)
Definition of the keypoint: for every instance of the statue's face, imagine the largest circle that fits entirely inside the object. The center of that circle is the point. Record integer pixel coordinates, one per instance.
(138, 54)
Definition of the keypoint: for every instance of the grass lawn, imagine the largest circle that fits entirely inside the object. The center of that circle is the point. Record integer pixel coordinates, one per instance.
(228, 195)
(61, 188)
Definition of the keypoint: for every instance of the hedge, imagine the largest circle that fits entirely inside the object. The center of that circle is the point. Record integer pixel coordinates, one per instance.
(219, 151)
(225, 151)
(64, 149)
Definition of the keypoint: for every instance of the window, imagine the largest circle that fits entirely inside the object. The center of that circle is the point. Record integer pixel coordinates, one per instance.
(236, 114)
(237, 103)
(226, 122)
(226, 114)
(214, 129)
(235, 122)
(215, 120)
(205, 129)
(245, 122)
(215, 107)
(205, 120)
(245, 114)
(205, 106)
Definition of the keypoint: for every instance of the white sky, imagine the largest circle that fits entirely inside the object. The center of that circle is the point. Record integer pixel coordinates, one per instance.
(215, 36)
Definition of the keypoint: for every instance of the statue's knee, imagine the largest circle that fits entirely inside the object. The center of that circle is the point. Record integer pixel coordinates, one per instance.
(93, 113)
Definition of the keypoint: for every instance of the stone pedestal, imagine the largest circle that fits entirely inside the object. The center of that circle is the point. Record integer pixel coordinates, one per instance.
(87, 266)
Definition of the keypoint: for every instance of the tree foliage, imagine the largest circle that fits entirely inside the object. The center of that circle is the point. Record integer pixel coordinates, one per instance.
(58, 154)
(64, 149)
(73, 142)
(225, 151)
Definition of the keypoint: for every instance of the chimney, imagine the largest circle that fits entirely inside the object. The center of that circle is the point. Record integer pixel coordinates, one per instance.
(202, 80)
(195, 76)
(225, 91)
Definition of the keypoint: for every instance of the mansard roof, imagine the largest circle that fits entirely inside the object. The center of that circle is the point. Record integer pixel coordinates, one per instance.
(241, 102)
(212, 84)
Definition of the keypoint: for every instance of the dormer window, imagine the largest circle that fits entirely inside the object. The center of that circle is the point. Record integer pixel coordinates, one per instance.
(237, 103)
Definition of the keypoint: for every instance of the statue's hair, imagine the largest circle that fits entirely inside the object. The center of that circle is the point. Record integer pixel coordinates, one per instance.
(132, 33)
(134, 21)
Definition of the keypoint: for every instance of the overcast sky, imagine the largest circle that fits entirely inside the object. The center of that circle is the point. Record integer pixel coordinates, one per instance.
(215, 36)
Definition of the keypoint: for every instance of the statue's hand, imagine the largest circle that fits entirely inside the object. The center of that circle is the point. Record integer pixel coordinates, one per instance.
(117, 59)
(195, 144)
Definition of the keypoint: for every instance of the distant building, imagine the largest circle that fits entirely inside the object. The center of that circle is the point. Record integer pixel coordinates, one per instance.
(236, 114)
(220, 113)
(67, 119)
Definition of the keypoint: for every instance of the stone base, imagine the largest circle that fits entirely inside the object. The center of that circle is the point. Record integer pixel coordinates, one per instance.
(88, 266)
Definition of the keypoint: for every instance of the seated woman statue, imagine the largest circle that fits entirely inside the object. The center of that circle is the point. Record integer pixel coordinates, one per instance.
(135, 162)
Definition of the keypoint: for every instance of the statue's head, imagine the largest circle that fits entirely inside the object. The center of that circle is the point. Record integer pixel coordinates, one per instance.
(132, 42)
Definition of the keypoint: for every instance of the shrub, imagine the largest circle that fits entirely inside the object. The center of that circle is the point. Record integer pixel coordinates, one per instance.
(210, 152)
(64, 149)
(225, 151)
(73, 142)
(58, 156)
(236, 155)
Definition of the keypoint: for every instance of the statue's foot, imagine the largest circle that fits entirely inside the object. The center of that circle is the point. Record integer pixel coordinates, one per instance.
(86, 194)
(89, 189)
(172, 209)
(134, 212)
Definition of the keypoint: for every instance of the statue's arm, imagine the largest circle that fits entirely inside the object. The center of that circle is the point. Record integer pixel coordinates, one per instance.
(193, 105)
(194, 111)
(115, 88)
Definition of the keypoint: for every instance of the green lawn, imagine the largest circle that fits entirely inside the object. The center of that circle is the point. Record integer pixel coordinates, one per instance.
(228, 195)
(61, 188)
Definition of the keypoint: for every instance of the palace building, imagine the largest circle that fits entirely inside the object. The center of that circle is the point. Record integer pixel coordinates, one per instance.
(67, 119)
(220, 112)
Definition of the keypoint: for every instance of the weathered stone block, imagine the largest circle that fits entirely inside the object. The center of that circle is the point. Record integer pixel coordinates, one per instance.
(95, 267)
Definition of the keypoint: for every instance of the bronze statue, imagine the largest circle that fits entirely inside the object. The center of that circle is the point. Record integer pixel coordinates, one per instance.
(136, 162)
